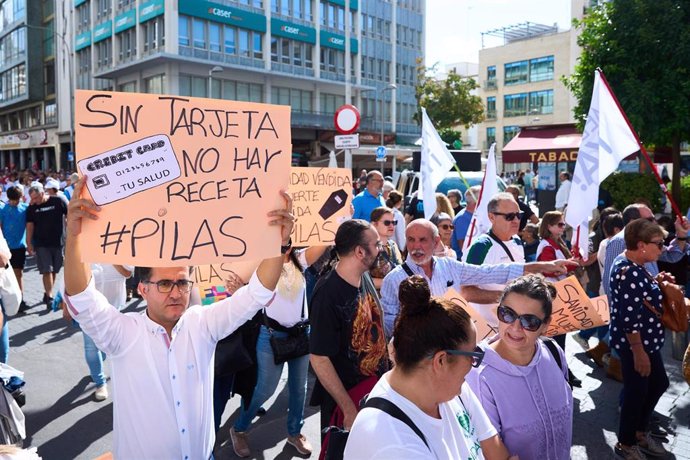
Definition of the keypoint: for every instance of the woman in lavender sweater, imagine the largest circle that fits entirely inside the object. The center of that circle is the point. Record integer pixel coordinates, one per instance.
(520, 384)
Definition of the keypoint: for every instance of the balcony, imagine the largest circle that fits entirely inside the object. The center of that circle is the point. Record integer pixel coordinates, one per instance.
(292, 69)
(220, 57)
(490, 85)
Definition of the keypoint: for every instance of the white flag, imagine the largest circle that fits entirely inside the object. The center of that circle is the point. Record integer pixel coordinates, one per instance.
(480, 219)
(606, 141)
(436, 161)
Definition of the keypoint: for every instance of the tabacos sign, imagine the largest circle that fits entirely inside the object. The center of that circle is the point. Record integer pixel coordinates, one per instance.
(552, 156)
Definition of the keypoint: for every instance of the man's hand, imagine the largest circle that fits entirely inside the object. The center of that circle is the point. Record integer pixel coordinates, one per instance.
(233, 283)
(555, 268)
(682, 227)
(282, 217)
(30, 248)
(80, 208)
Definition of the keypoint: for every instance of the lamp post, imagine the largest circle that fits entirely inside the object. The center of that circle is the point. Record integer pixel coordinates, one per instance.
(215, 69)
(70, 77)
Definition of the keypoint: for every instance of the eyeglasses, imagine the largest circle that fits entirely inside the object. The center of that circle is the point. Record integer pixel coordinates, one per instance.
(561, 225)
(447, 226)
(390, 222)
(528, 322)
(659, 244)
(650, 219)
(166, 286)
(477, 355)
(509, 216)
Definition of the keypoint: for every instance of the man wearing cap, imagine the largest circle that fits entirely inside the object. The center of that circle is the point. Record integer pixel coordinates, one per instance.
(53, 189)
(44, 227)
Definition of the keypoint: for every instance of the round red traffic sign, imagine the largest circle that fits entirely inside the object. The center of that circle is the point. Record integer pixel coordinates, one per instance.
(346, 119)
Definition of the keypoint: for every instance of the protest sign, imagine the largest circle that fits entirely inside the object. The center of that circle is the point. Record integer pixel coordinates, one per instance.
(574, 311)
(181, 180)
(209, 280)
(321, 200)
(484, 329)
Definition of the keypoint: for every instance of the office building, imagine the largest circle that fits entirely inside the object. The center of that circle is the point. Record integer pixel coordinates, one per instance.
(313, 55)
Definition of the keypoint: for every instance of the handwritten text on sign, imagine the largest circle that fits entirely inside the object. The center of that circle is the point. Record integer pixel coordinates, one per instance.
(484, 330)
(573, 310)
(321, 200)
(210, 279)
(181, 181)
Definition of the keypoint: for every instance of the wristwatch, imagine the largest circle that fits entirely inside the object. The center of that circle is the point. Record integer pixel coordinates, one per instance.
(286, 248)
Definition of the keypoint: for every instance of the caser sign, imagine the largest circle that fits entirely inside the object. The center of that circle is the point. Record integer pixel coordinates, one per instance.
(220, 13)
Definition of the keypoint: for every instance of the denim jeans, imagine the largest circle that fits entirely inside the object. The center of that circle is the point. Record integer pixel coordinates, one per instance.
(268, 376)
(4, 338)
(94, 359)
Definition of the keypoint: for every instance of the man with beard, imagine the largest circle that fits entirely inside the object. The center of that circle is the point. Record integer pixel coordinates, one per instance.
(347, 343)
(443, 273)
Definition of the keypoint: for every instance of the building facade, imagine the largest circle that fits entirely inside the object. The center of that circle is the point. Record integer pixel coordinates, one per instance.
(313, 55)
(30, 50)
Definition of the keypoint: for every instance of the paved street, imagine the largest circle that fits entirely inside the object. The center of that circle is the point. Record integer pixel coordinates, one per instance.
(65, 422)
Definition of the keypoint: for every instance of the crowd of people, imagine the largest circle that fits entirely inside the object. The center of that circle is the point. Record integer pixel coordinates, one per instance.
(396, 364)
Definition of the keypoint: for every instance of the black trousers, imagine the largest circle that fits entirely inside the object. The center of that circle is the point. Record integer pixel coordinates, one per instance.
(640, 395)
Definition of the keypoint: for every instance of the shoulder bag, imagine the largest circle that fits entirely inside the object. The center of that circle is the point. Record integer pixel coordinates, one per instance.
(10, 293)
(674, 306)
(293, 346)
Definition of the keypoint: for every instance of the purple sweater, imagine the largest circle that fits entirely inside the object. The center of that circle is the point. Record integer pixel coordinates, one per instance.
(530, 406)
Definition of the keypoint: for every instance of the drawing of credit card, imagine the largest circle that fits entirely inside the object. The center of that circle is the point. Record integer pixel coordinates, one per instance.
(127, 170)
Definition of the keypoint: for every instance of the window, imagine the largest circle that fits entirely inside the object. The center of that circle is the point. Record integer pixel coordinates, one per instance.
(230, 37)
(330, 102)
(50, 113)
(490, 136)
(183, 31)
(104, 53)
(214, 36)
(155, 84)
(83, 16)
(541, 102)
(509, 132)
(516, 73)
(299, 100)
(49, 78)
(491, 77)
(257, 39)
(127, 44)
(103, 9)
(84, 68)
(491, 108)
(515, 105)
(541, 69)
(244, 42)
(190, 85)
(199, 29)
(129, 87)
(154, 34)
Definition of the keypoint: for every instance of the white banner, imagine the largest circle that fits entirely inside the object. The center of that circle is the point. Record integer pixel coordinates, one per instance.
(436, 161)
(480, 219)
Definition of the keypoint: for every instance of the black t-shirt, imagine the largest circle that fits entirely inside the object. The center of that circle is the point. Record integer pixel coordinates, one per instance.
(415, 208)
(347, 326)
(47, 220)
(527, 213)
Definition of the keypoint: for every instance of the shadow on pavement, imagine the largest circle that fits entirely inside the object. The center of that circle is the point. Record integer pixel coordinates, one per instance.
(58, 325)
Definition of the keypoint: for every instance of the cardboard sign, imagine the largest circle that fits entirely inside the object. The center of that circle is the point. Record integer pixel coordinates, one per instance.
(484, 330)
(574, 311)
(321, 200)
(209, 280)
(181, 180)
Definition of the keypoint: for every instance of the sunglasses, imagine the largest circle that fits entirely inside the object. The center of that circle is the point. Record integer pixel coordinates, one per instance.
(528, 322)
(509, 216)
(659, 244)
(477, 355)
(447, 226)
(390, 222)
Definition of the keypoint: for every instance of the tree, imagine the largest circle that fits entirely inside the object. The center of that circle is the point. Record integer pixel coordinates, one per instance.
(448, 102)
(643, 48)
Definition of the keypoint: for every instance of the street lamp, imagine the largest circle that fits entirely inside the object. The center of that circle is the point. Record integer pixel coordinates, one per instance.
(70, 78)
(215, 69)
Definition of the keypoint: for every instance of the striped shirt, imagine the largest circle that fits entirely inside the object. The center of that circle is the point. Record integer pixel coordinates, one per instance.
(446, 273)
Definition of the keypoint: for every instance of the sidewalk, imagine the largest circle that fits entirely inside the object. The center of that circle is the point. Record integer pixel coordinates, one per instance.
(65, 422)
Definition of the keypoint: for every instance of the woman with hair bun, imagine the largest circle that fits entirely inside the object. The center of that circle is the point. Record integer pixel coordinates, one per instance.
(435, 347)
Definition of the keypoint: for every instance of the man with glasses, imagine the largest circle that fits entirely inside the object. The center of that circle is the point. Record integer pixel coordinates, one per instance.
(162, 358)
(443, 273)
(370, 198)
(500, 245)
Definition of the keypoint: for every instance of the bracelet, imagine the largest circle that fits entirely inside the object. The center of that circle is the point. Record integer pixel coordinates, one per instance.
(286, 248)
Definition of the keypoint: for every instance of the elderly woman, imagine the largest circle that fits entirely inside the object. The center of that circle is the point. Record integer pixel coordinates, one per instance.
(444, 222)
(638, 336)
(435, 348)
(389, 257)
(522, 382)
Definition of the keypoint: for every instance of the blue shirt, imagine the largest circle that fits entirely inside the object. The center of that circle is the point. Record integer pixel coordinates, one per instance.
(13, 220)
(364, 203)
(461, 224)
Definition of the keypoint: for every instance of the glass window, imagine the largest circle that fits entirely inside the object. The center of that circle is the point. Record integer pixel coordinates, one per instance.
(183, 31)
(274, 49)
(50, 113)
(214, 36)
(229, 37)
(509, 132)
(155, 84)
(199, 33)
(258, 45)
(285, 7)
(242, 91)
(490, 136)
(541, 69)
(307, 10)
(285, 51)
(491, 108)
(516, 72)
(199, 86)
(297, 54)
(244, 42)
(541, 102)
(515, 105)
(308, 52)
(129, 87)
(275, 7)
(331, 16)
(185, 85)
(491, 73)
(256, 92)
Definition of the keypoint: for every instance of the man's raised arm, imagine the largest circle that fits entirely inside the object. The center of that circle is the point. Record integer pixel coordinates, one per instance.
(77, 273)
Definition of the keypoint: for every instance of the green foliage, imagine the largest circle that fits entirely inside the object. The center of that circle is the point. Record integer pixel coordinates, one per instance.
(449, 135)
(448, 102)
(684, 201)
(627, 188)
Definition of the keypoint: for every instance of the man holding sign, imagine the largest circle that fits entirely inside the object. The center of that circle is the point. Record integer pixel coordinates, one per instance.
(162, 358)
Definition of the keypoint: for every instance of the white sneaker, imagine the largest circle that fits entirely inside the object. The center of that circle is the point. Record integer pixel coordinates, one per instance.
(101, 393)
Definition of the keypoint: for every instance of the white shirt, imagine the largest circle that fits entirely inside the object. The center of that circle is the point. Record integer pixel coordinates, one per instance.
(162, 388)
(111, 283)
(601, 258)
(456, 435)
(399, 235)
(290, 302)
(562, 194)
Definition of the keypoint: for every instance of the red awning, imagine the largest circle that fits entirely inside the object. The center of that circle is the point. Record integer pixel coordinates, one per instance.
(552, 143)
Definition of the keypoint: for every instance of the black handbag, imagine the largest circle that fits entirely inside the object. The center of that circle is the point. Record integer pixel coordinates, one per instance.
(296, 344)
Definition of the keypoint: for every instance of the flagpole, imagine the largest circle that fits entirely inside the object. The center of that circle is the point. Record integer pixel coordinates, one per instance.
(467, 185)
(642, 149)
(481, 192)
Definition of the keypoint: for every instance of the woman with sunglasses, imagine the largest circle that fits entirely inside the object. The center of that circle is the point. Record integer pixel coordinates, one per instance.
(444, 222)
(638, 336)
(435, 348)
(520, 383)
(389, 257)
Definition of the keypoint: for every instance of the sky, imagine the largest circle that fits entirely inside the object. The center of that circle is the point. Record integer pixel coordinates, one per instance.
(454, 27)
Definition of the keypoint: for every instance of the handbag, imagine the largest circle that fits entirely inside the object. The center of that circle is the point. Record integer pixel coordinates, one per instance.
(674, 311)
(295, 345)
(10, 293)
(686, 365)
